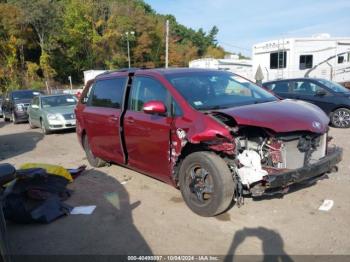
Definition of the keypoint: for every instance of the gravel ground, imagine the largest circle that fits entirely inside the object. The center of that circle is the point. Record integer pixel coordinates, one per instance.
(136, 214)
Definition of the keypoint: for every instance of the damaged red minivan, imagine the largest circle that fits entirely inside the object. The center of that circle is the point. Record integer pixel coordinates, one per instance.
(213, 134)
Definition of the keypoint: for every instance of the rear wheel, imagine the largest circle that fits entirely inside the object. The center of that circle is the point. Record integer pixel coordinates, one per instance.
(206, 183)
(93, 161)
(341, 118)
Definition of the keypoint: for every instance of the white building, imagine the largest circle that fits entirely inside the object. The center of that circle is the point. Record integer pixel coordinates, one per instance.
(91, 74)
(230, 63)
(318, 56)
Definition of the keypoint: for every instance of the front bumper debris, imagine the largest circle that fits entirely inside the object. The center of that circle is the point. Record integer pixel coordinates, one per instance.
(278, 183)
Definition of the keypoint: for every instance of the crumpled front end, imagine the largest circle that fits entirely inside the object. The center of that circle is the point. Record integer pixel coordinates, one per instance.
(266, 162)
(272, 164)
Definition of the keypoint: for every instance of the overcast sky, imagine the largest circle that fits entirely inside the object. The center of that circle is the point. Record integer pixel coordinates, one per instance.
(243, 23)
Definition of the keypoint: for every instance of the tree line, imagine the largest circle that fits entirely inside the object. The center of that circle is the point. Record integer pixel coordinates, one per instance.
(45, 41)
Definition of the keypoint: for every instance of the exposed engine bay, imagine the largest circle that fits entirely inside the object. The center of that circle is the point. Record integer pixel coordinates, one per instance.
(260, 152)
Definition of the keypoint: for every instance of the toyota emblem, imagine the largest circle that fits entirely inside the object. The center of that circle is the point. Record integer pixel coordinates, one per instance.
(316, 124)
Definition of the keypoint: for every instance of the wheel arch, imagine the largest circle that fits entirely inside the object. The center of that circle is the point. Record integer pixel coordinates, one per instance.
(188, 149)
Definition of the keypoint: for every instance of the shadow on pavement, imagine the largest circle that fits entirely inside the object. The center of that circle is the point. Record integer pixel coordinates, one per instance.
(3, 123)
(272, 244)
(18, 143)
(109, 230)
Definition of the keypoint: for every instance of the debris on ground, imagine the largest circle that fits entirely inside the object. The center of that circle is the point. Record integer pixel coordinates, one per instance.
(82, 210)
(113, 198)
(38, 192)
(126, 179)
(326, 205)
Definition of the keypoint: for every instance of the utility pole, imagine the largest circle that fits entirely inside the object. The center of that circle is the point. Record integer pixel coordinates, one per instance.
(167, 44)
(70, 81)
(47, 88)
(127, 40)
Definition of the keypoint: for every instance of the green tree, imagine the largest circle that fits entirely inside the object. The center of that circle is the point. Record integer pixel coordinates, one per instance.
(43, 17)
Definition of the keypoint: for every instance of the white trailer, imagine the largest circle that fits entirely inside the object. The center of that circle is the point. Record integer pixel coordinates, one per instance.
(242, 67)
(91, 74)
(319, 56)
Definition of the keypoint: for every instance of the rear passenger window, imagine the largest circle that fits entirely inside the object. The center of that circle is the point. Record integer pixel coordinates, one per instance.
(306, 87)
(107, 93)
(143, 90)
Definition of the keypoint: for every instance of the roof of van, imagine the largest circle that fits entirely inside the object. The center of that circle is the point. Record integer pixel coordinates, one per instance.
(161, 71)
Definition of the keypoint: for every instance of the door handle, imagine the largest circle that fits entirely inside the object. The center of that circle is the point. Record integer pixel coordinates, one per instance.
(113, 118)
(130, 120)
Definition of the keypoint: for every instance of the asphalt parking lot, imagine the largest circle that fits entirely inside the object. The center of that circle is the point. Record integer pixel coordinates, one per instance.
(136, 214)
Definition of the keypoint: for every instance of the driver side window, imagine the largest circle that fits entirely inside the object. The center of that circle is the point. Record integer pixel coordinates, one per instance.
(143, 90)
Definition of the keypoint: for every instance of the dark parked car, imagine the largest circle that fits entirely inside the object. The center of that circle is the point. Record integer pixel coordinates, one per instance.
(211, 133)
(15, 104)
(332, 98)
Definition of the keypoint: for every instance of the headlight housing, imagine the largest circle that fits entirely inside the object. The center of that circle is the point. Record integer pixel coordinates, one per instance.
(53, 116)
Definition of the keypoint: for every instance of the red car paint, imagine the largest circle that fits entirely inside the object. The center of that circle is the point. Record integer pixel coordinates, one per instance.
(153, 143)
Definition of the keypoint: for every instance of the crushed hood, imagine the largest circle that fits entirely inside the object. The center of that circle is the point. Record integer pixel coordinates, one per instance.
(281, 116)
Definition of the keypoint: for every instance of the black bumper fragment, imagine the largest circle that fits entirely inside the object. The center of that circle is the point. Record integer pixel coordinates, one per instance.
(283, 180)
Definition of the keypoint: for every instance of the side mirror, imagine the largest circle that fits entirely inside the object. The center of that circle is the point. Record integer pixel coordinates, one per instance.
(35, 106)
(321, 92)
(154, 107)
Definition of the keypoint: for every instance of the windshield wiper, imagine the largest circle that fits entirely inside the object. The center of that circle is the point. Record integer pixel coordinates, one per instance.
(212, 108)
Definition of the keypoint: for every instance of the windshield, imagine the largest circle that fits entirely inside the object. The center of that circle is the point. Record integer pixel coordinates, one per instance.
(61, 100)
(27, 94)
(216, 90)
(334, 86)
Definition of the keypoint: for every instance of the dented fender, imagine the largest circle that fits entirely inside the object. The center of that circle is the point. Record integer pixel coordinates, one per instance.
(205, 131)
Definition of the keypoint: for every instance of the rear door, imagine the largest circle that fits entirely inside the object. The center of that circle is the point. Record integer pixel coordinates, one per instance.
(307, 90)
(280, 88)
(101, 118)
(147, 136)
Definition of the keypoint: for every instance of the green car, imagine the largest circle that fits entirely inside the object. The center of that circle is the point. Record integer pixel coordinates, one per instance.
(52, 112)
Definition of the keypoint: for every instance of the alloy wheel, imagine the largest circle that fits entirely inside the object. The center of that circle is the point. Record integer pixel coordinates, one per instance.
(200, 184)
(341, 118)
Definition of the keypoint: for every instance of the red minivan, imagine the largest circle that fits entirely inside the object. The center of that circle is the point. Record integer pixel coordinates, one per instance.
(213, 134)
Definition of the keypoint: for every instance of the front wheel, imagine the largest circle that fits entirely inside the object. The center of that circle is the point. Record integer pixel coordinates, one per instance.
(206, 183)
(14, 118)
(341, 118)
(31, 125)
(44, 130)
(6, 119)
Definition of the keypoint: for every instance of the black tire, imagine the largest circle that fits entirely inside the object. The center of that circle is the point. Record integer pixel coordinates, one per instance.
(93, 161)
(43, 128)
(14, 120)
(31, 124)
(218, 180)
(340, 118)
